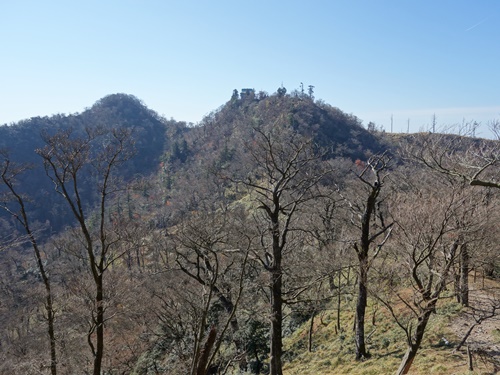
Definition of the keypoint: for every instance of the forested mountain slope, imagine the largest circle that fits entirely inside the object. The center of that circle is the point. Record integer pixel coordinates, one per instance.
(22, 140)
(158, 139)
(342, 134)
(276, 233)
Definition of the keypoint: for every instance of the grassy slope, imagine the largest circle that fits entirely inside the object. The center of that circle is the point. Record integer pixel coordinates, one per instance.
(333, 353)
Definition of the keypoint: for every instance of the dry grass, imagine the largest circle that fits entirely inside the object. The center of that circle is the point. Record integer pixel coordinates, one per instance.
(333, 352)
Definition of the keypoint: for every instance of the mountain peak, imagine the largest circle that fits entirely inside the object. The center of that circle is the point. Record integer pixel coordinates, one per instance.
(123, 107)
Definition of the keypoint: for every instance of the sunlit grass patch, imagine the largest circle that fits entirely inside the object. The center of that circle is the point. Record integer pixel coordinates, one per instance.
(333, 351)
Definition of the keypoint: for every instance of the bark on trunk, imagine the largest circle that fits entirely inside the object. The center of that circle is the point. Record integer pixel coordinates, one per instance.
(276, 301)
(276, 324)
(339, 300)
(407, 360)
(46, 281)
(464, 276)
(416, 341)
(469, 356)
(310, 334)
(205, 352)
(228, 305)
(363, 257)
(464, 339)
(52, 336)
(48, 307)
(361, 303)
(99, 326)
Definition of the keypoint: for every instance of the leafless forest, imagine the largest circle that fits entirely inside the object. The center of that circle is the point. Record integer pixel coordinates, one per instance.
(133, 244)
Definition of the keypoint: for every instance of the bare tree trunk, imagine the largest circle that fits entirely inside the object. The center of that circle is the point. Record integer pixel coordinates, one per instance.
(311, 329)
(205, 352)
(50, 318)
(276, 320)
(48, 300)
(469, 356)
(339, 298)
(99, 321)
(415, 343)
(464, 339)
(369, 215)
(276, 349)
(49, 308)
(464, 276)
(361, 303)
(229, 307)
(407, 360)
(478, 322)
(284, 160)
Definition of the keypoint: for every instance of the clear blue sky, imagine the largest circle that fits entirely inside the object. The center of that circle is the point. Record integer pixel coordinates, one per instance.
(371, 58)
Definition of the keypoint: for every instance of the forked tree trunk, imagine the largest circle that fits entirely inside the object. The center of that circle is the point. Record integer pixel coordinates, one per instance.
(201, 368)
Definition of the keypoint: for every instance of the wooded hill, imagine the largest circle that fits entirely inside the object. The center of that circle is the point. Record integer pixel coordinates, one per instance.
(133, 244)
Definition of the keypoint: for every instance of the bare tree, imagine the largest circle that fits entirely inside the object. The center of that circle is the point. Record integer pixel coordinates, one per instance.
(475, 161)
(12, 201)
(67, 157)
(462, 159)
(480, 315)
(367, 217)
(211, 249)
(283, 177)
(430, 231)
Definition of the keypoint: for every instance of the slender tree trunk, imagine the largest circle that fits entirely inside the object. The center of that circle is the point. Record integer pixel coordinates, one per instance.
(50, 311)
(416, 341)
(276, 323)
(469, 356)
(362, 251)
(276, 303)
(99, 326)
(361, 303)
(456, 285)
(311, 329)
(52, 337)
(339, 299)
(464, 339)
(464, 276)
(48, 302)
(228, 305)
(276, 347)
